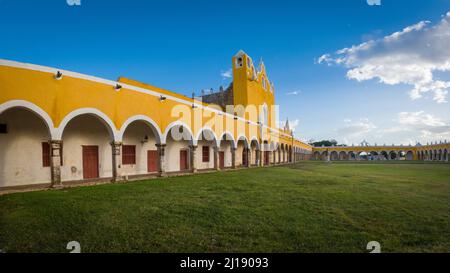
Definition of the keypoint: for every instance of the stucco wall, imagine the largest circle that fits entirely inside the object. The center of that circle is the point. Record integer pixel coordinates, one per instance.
(85, 130)
(21, 149)
(205, 165)
(135, 135)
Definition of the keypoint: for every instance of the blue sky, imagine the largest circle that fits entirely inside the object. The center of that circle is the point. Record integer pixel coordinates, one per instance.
(184, 46)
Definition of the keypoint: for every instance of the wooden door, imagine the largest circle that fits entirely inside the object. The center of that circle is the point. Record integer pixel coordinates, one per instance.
(221, 160)
(152, 161)
(244, 157)
(266, 157)
(184, 160)
(90, 162)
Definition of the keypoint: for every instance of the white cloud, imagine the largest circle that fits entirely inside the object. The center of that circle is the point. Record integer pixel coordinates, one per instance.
(293, 93)
(227, 74)
(294, 124)
(409, 56)
(427, 126)
(356, 129)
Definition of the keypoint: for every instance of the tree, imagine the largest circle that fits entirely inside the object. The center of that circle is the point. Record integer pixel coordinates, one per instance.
(326, 143)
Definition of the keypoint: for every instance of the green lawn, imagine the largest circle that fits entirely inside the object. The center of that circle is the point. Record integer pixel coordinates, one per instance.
(309, 207)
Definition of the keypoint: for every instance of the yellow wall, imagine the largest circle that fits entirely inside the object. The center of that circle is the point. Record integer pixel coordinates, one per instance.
(74, 91)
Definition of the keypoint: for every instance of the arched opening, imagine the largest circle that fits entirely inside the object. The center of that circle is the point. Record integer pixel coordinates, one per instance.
(283, 153)
(87, 148)
(139, 154)
(179, 141)
(242, 152)
(316, 155)
(324, 156)
(393, 155)
(24, 148)
(254, 152)
(409, 155)
(343, 156)
(226, 151)
(351, 156)
(374, 156)
(206, 145)
(363, 156)
(334, 156)
(445, 156)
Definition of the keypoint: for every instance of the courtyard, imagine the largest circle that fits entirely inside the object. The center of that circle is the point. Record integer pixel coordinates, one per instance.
(305, 207)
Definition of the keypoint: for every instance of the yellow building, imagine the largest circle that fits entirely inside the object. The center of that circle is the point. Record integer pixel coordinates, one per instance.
(429, 152)
(60, 127)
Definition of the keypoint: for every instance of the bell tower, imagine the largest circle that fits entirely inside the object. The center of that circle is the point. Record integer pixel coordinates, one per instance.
(251, 86)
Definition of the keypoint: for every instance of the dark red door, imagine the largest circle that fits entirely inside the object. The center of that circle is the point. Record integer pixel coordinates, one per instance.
(183, 160)
(90, 162)
(222, 160)
(266, 157)
(152, 161)
(244, 157)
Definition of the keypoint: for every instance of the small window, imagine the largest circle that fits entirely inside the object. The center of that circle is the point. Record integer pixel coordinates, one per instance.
(45, 154)
(3, 128)
(264, 83)
(239, 62)
(128, 154)
(205, 154)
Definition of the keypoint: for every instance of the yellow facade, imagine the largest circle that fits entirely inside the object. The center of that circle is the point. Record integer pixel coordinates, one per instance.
(58, 97)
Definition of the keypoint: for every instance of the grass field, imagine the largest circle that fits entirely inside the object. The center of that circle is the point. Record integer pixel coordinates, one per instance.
(308, 207)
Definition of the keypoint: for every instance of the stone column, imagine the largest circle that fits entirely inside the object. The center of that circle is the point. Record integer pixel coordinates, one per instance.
(116, 161)
(274, 157)
(233, 158)
(55, 163)
(161, 148)
(193, 158)
(216, 158)
(260, 158)
(249, 158)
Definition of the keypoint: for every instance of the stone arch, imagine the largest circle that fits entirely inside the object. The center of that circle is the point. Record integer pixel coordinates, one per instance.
(230, 137)
(185, 135)
(109, 124)
(39, 112)
(151, 123)
(243, 138)
(210, 137)
(24, 145)
(334, 156)
(179, 144)
(343, 155)
(409, 155)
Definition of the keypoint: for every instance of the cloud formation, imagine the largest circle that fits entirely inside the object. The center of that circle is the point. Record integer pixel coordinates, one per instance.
(227, 74)
(356, 128)
(429, 126)
(411, 56)
(407, 128)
